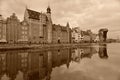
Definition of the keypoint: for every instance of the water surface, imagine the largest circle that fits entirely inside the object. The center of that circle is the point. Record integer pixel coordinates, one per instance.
(97, 62)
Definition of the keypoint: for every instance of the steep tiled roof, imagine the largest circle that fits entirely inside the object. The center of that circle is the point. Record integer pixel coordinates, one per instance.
(63, 28)
(53, 27)
(85, 33)
(76, 29)
(56, 27)
(59, 27)
(33, 14)
(24, 22)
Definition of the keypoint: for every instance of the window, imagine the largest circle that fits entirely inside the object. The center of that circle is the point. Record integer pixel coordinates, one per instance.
(25, 37)
(22, 37)
(23, 28)
(22, 32)
(4, 36)
(25, 32)
(24, 23)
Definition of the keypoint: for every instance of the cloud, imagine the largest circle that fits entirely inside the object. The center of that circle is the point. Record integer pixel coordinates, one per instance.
(87, 14)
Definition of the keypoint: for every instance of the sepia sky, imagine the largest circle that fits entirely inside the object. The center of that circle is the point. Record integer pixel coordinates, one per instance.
(86, 14)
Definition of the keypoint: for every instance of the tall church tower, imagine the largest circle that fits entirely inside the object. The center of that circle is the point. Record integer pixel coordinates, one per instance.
(49, 25)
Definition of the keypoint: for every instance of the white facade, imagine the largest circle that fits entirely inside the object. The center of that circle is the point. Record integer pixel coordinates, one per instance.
(97, 39)
(76, 35)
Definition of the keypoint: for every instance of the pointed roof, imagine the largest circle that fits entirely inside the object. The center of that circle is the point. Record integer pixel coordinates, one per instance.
(67, 24)
(24, 22)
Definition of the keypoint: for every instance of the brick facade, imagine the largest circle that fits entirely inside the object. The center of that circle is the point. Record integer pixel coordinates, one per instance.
(36, 27)
(2, 29)
(23, 32)
(60, 34)
(12, 29)
(39, 26)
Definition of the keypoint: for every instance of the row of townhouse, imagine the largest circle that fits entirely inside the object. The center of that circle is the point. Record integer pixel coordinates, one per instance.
(79, 35)
(35, 28)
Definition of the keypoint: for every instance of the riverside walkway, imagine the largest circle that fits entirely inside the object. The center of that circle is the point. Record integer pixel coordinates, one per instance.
(37, 46)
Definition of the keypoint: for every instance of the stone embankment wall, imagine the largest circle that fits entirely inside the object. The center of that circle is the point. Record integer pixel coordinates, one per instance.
(38, 46)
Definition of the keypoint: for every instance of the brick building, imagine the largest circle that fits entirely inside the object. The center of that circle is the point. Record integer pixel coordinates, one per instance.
(60, 34)
(2, 29)
(12, 28)
(35, 28)
(23, 32)
(76, 35)
(40, 26)
(88, 36)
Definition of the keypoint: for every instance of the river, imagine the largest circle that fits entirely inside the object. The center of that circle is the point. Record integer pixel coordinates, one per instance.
(97, 62)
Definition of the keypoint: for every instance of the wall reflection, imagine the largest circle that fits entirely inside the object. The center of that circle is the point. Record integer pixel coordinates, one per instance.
(38, 65)
(103, 51)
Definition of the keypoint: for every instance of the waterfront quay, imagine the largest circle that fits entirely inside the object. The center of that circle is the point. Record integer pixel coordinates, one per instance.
(39, 46)
(37, 30)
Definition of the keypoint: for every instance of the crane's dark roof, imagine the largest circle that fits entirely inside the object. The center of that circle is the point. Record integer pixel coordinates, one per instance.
(103, 29)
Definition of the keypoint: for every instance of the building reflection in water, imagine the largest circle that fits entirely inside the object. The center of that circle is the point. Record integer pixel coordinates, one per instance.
(31, 65)
(83, 52)
(103, 51)
(38, 65)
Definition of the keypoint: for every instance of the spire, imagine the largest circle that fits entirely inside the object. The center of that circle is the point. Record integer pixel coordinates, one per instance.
(26, 12)
(26, 7)
(48, 10)
(68, 24)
